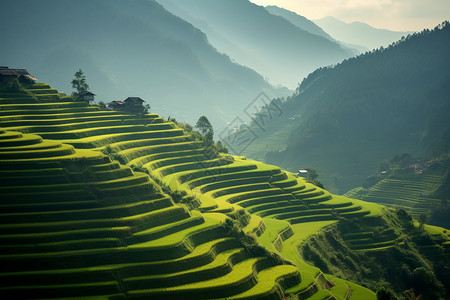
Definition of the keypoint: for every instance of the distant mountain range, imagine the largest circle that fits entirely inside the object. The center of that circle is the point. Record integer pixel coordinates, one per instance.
(345, 120)
(128, 48)
(358, 33)
(281, 51)
(309, 26)
(298, 20)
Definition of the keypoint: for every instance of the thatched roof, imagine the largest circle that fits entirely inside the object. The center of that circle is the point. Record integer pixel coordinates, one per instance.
(5, 71)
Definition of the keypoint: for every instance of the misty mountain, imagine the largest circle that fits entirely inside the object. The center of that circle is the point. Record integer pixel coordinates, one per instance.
(128, 48)
(345, 120)
(269, 44)
(309, 26)
(357, 33)
(298, 20)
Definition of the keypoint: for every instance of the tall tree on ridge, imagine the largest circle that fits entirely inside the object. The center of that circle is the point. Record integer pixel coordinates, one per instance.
(79, 82)
(206, 129)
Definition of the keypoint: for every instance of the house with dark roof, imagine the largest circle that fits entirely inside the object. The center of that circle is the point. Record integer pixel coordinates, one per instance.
(86, 96)
(134, 102)
(131, 104)
(7, 74)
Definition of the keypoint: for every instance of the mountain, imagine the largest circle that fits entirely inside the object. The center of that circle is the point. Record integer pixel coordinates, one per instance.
(269, 44)
(299, 21)
(128, 48)
(309, 26)
(345, 120)
(358, 33)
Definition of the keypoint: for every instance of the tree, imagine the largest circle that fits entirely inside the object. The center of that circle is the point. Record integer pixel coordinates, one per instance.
(422, 220)
(384, 293)
(206, 129)
(203, 125)
(15, 86)
(79, 82)
(147, 108)
(102, 105)
(313, 177)
(221, 147)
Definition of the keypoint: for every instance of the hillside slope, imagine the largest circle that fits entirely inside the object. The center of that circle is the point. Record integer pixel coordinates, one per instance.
(269, 44)
(345, 120)
(128, 48)
(222, 200)
(75, 223)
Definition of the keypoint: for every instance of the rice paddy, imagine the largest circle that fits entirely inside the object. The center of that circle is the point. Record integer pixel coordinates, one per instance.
(81, 224)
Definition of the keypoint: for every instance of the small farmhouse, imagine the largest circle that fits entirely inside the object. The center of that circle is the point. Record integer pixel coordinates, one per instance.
(302, 173)
(131, 104)
(134, 102)
(86, 96)
(7, 74)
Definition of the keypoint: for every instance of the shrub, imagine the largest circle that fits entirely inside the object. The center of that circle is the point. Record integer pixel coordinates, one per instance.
(221, 147)
(15, 86)
(405, 219)
(425, 283)
(311, 255)
(384, 293)
(102, 105)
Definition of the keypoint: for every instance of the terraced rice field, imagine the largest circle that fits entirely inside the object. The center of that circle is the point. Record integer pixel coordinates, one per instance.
(440, 249)
(407, 194)
(75, 223)
(98, 228)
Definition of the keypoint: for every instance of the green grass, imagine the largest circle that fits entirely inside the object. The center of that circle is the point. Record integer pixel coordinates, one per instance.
(359, 292)
(239, 279)
(273, 228)
(178, 237)
(345, 288)
(255, 226)
(222, 264)
(437, 231)
(267, 282)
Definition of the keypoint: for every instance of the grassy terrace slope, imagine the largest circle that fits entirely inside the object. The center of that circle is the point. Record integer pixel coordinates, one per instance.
(409, 194)
(73, 223)
(277, 207)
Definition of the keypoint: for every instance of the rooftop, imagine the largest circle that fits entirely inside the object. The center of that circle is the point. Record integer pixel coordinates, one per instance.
(133, 99)
(5, 71)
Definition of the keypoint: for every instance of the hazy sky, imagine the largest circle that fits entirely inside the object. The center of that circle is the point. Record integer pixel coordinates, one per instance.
(402, 15)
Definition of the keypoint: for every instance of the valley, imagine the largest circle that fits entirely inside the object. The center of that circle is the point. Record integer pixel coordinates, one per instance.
(72, 211)
(222, 150)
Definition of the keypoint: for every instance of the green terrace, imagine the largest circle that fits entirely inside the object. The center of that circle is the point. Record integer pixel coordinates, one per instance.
(438, 248)
(78, 224)
(115, 218)
(410, 194)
